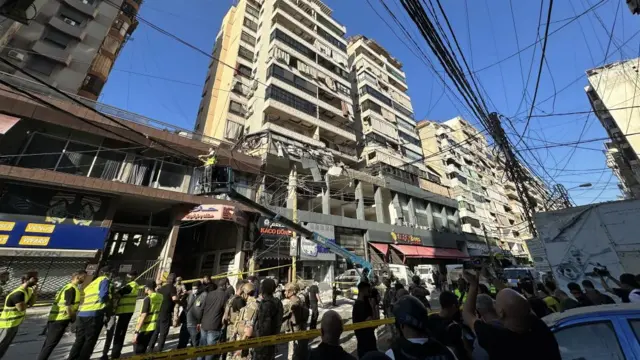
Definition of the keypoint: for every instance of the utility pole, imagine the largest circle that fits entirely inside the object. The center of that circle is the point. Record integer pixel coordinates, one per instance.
(513, 168)
(293, 203)
(563, 196)
(486, 240)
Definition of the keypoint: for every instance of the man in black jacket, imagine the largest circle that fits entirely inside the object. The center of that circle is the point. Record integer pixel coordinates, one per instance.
(213, 311)
(189, 331)
(330, 331)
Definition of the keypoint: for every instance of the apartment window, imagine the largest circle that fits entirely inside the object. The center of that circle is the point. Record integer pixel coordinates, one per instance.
(250, 24)
(57, 38)
(408, 138)
(243, 70)
(375, 93)
(249, 39)
(287, 98)
(253, 11)
(245, 54)
(333, 68)
(336, 30)
(41, 65)
(343, 89)
(238, 88)
(236, 108)
(292, 79)
(370, 105)
(293, 43)
(71, 16)
(403, 110)
(233, 130)
(396, 74)
(92, 84)
(128, 10)
(335, 42)
(405, 124)
(412, 155)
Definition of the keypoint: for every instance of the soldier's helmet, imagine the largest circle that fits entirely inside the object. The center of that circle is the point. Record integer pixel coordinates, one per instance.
(249, 289)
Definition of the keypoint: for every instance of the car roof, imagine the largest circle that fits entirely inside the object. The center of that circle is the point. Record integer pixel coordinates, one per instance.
(591, 311)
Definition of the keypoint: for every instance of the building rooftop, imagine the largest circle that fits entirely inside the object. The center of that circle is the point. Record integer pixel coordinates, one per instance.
(377, 48)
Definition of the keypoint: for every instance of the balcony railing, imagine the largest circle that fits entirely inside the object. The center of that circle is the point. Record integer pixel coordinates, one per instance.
(41, 89)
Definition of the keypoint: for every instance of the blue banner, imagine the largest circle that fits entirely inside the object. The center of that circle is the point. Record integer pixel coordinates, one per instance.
(38, 235)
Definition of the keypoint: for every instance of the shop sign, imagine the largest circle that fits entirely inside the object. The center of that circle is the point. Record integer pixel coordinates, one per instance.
(309, 250)
(272, 229)
(25, 234)
(405, 238)
(207, 212)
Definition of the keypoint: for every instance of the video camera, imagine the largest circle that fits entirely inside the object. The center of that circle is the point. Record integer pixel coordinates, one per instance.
(474, 264)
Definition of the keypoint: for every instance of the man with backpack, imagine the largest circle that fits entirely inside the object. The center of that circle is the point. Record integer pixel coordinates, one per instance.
(295, 315)
(414, 342)
(268, 320)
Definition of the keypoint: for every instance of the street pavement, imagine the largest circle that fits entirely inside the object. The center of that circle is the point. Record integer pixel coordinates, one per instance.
(28, 342)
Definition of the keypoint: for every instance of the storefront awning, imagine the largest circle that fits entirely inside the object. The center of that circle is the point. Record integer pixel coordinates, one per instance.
(415, 251)
(383, 248)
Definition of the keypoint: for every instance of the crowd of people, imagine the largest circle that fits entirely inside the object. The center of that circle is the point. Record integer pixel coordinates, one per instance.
(475, 321)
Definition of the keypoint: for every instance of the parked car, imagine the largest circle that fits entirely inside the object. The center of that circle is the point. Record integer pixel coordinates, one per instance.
(598, 332)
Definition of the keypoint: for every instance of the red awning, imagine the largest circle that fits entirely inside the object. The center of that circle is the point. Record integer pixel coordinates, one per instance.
(383, 248)
(415, 251)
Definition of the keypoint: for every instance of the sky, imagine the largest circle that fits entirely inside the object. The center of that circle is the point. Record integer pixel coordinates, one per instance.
(159, 77)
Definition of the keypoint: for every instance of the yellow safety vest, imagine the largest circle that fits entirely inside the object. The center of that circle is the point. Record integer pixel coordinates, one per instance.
(127, 303)
(464, 298)
(12, 317)
(210, 161)
(149, 323)
(91, 300)
(59, 308)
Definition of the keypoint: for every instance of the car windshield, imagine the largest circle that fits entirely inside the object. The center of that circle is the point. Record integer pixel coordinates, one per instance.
(422, 271)
(516, 273)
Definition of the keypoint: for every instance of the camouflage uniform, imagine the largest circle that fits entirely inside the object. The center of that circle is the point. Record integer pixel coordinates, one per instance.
(268, 320)
(245, 319)
(294, 322)
(231, 318)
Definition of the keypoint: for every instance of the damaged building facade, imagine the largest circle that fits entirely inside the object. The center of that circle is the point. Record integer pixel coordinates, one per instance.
(296, 98)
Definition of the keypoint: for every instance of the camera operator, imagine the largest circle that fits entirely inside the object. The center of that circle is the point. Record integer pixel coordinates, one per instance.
(628, 289)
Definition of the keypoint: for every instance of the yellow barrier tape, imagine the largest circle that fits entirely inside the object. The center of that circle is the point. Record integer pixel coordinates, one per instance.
(224, 275)
(222, 348)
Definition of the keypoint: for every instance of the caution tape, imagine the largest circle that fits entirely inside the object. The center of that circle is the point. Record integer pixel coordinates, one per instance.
(227, 347)
(224, 275)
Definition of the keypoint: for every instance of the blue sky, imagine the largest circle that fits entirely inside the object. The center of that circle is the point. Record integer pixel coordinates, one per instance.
(487, 33)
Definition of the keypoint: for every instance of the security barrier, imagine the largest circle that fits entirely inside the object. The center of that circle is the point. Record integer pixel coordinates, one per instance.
(194, 352)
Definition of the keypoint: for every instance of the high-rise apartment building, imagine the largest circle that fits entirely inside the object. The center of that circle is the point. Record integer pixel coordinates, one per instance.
(71, 44)
(612, 92)
(487, 200)
(283, 69)
(390, 143)
(282, 87)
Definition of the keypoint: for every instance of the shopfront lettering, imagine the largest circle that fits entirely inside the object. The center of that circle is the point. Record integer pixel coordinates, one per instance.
(276, 231)
(40, 228)
(7, 225)
(406, 238)
(4, 239)
(34, 240)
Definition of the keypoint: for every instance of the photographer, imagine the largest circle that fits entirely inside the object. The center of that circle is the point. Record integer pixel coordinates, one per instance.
(628, 289)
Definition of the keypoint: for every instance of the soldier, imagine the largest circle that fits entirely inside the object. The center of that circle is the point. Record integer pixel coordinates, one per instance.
(246, 319)
(268, 320)
(295, 320)
(231, 312)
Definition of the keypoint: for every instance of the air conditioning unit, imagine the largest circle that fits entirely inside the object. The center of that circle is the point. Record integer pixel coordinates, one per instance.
(16, 55)
(70, 22)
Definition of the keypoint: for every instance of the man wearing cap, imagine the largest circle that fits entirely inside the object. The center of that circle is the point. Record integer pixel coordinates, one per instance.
(147, 321)
(90, 320)
(126, 306)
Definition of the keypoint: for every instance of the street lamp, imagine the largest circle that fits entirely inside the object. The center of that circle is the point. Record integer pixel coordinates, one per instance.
(585, 185)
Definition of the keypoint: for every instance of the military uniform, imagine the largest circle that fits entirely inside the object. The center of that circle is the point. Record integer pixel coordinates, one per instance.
(232, 318)
(246, 318)
(294, 322)
(268, 321)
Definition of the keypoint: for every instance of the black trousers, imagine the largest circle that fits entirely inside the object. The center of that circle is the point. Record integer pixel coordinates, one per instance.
(87, 333)
(160, 335)
(143, 340)
(313, 323)
(117, 334)
(55, 331)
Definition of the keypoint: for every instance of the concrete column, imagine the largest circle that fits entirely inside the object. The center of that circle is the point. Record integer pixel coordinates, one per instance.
(238, 261)
(430, 222)
(379, 202)
(292, 185)
(166, 254)
(260, 190)
(456, 220)
(326, 199)
(412, 212)
(445, 218)
(359, 201)
(395, 201)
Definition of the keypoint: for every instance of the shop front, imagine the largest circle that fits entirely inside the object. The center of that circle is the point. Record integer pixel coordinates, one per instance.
(317, 262)
(54, 232)
(272, 250)
(408, 249)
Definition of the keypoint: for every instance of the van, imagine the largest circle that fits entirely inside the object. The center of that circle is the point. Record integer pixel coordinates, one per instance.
(514, 274)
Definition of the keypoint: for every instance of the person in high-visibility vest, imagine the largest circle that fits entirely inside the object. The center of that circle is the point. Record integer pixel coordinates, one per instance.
(126, 306)
(148, 318)
(209, 161)
(15, 309)
(62, 313)
(90, 319)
